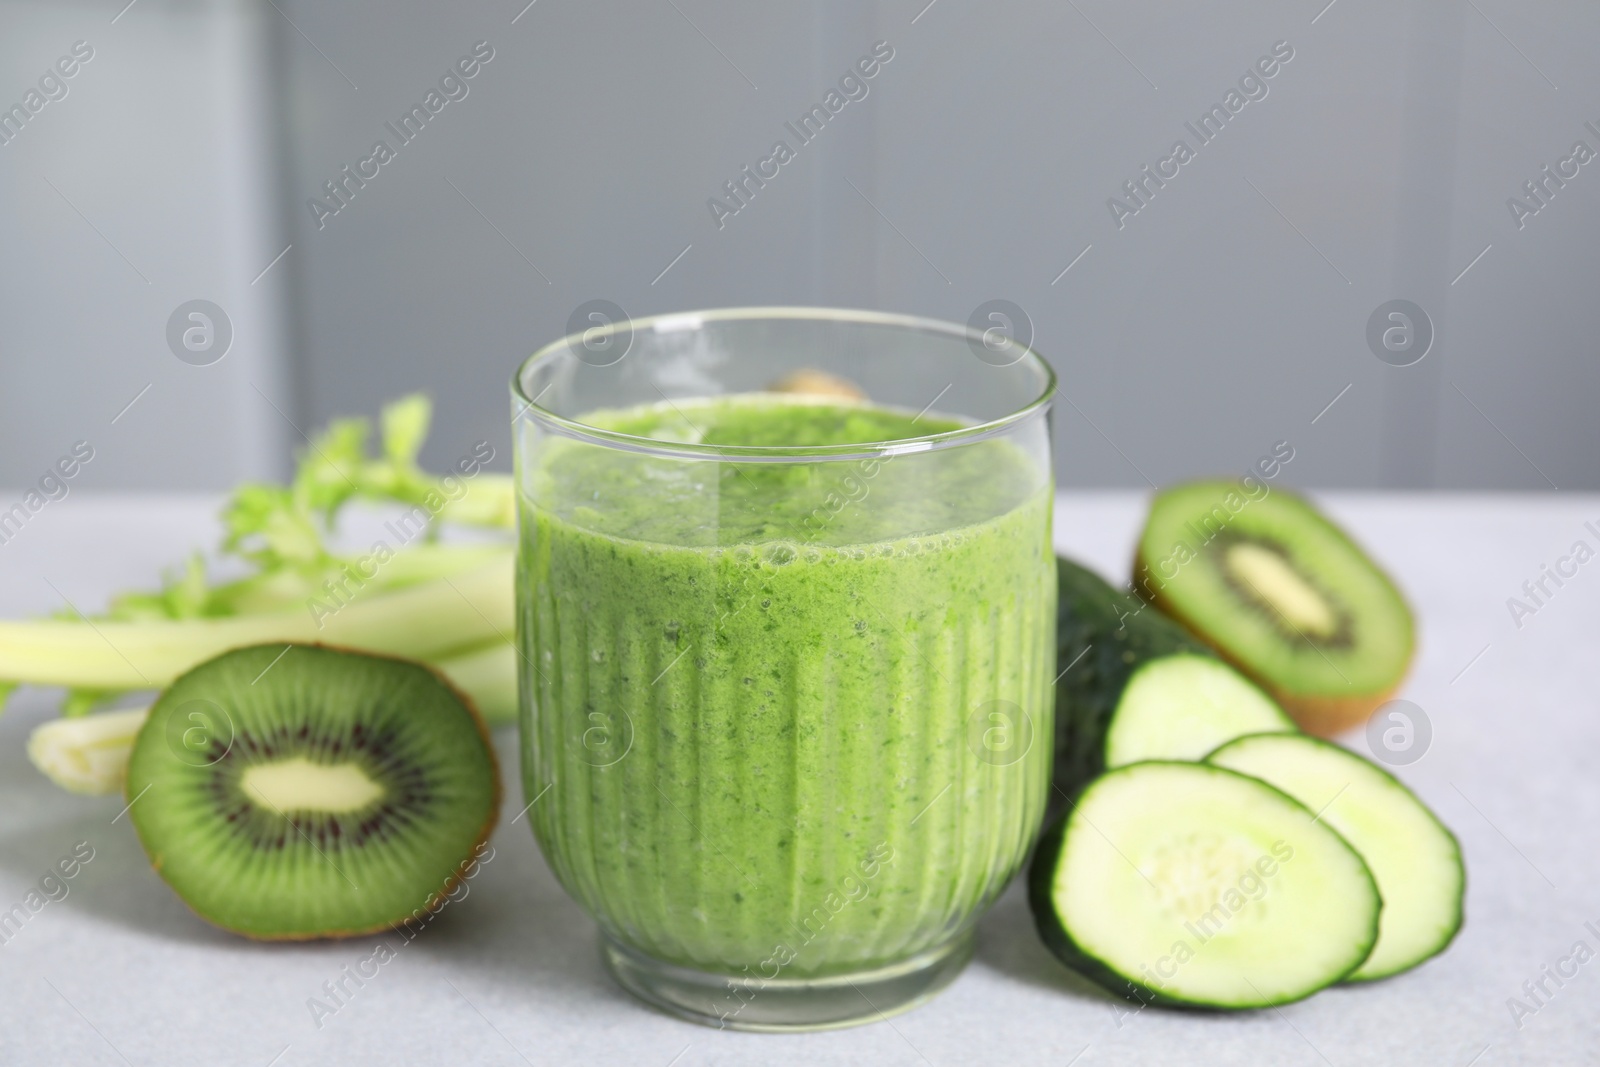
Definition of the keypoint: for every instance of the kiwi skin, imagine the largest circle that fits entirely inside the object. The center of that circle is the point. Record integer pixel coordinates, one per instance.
(1324, 717)
(434, 902)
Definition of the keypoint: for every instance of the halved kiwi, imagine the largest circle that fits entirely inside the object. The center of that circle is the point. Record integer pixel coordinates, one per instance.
(1279, 590)
(297, 792)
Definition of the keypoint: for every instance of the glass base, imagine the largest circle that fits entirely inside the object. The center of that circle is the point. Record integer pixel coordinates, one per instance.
(788, 1005)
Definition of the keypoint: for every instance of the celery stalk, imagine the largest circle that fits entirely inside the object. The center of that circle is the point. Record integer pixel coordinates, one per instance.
(407, 595)
(489, 677)
(420, 622)
(89, 754)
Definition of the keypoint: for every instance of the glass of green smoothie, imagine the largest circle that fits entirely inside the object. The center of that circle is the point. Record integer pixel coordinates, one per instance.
(786, 614)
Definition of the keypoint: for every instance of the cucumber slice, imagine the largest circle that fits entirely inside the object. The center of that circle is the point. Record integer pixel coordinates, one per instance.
(1414, 859)
(1135, 686)
(1190, 885)
(1182, 707)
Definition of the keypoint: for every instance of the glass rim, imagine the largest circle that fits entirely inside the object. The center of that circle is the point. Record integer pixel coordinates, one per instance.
(678, 321)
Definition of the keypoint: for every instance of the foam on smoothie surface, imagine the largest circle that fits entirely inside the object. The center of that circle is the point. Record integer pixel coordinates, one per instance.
(645, 498)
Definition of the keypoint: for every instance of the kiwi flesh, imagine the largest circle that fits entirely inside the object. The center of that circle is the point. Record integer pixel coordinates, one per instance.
(299, 792)
(1281, 592)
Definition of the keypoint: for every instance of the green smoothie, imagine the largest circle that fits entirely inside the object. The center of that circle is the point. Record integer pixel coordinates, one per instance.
(786, 720)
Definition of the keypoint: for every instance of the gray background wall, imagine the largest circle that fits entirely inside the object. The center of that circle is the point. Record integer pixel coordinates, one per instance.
(1223, 317)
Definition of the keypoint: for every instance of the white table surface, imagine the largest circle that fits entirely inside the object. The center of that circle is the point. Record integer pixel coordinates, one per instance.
(121, 972)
